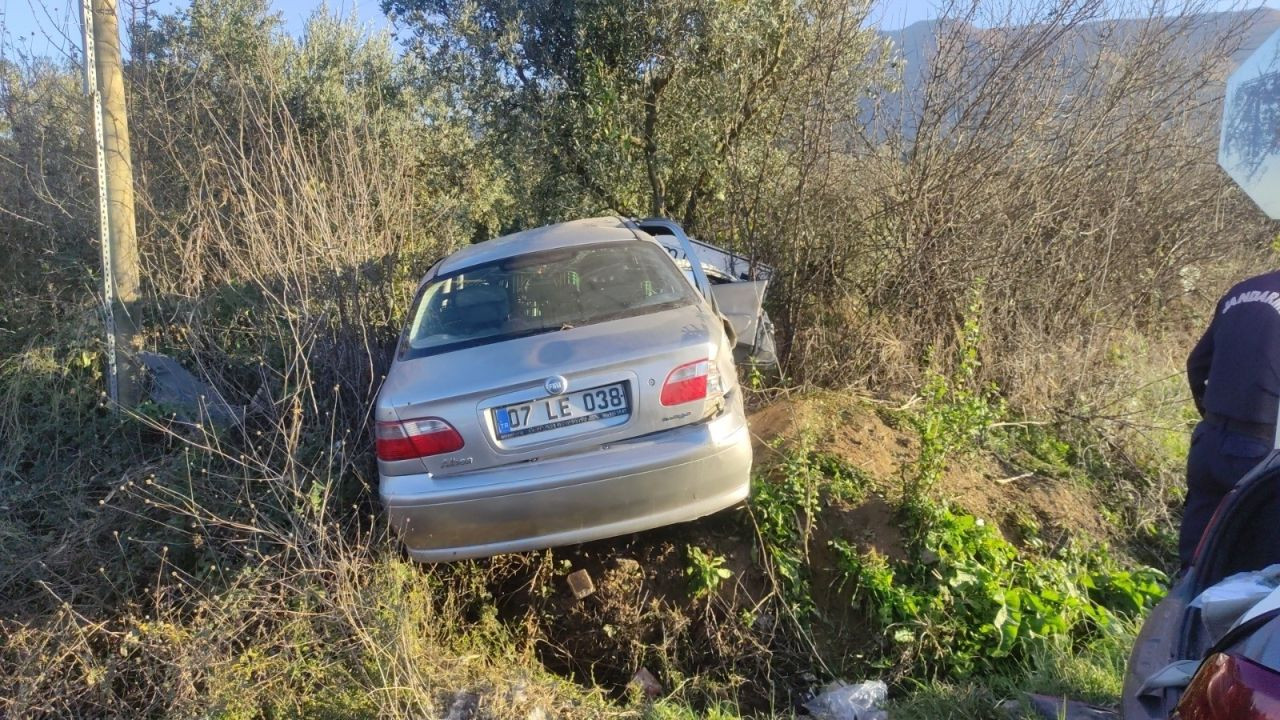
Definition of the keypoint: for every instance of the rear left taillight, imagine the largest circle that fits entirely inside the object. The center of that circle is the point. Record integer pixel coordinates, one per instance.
(418, 438)
(1229, 686)
(692, 381)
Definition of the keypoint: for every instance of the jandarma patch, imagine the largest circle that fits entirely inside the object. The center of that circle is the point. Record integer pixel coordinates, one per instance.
(1269, 297)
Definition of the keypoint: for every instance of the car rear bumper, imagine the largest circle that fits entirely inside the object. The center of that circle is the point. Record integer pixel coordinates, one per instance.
(664, 478)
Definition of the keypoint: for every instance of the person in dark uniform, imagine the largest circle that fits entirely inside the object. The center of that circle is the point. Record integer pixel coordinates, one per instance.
(1234, 373)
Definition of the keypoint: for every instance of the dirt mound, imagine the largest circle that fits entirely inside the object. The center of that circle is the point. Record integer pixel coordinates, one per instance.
(868, 438)
(1019, 502)
(850, 430)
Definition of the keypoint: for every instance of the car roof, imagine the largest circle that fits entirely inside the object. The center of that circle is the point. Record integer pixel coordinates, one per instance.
(547, 237)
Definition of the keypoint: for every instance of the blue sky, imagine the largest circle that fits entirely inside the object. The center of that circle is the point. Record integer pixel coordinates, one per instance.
(51, 27)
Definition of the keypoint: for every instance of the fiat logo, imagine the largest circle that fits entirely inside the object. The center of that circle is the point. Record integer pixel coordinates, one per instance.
(556, 384)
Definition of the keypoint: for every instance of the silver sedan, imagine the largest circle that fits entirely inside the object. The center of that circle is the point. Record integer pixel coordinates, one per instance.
(555, 386)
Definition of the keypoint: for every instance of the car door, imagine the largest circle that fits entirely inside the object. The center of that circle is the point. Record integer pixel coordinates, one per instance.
(738, 299)
(742, 305)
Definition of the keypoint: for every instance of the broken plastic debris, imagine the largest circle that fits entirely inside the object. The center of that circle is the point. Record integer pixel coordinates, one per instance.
(464, 706)
(1173, 675)
(859, 701)
(195, 402)
(580, 583)
(647, 683)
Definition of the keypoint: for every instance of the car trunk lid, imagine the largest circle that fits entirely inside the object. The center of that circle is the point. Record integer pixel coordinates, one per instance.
(543, 379)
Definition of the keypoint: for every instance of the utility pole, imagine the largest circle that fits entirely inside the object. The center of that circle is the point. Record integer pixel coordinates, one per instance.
(104, 81)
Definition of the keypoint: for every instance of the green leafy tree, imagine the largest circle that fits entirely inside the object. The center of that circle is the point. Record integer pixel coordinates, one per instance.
(640, 106)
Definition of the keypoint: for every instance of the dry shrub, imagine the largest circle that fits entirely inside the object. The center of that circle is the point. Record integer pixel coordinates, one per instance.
(164, 565)
(249, 585)
(1063, 160)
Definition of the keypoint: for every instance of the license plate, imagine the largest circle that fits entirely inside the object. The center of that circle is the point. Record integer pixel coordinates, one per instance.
(561, 411)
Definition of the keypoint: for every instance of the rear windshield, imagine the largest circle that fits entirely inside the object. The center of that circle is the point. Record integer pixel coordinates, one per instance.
(543, 292)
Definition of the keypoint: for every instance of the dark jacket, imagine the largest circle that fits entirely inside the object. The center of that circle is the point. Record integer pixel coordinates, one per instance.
(1234, 370)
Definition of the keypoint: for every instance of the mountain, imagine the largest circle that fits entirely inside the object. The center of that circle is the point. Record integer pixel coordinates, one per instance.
(1197, 37)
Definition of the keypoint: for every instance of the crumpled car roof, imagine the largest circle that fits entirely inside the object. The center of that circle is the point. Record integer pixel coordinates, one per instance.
(550, 237)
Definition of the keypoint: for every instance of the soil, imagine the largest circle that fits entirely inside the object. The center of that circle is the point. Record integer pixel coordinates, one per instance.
(1058, 507)
(977, 484)
(642, 614)
(853, 432)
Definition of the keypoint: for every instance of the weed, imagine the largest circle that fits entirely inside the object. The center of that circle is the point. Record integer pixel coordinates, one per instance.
(1041, 449)
(957, 408)
(673, 710)
(786, 505)
(969, 601)
(947, 700)
(843, 481)
(1089, 672)
(705, 571)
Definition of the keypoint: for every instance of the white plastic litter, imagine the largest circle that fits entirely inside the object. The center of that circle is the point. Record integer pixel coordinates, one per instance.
(842, 701)
(1224, 603)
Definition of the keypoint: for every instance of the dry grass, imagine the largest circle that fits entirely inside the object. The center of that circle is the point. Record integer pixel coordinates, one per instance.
(169, 568)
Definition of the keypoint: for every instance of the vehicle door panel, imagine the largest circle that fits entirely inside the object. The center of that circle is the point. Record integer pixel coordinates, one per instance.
(742, 304)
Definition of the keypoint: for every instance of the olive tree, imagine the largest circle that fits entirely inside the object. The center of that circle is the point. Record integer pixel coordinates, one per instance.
(638, 106)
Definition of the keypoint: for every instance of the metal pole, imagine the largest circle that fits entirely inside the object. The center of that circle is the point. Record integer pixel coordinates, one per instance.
(104, 82)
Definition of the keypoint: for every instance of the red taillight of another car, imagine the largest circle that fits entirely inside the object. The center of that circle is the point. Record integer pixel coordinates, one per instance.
(1228, 687)
(418, 438)
(697, 380)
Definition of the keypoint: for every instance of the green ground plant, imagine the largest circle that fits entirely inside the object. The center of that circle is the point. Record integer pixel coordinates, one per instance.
(970, 602)
(666, 710)
(966, 618)
(957, 407)
(785, 506)
(785, 509)
(705, 571)
(1090, 672)
(967, 600)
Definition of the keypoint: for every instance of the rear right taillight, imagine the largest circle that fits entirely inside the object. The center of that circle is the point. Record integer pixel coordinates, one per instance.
(691, 381)
(418, 438)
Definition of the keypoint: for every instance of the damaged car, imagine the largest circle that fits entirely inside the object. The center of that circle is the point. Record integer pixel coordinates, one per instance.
(1211, 649)
(734, 283)
(555, 386)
